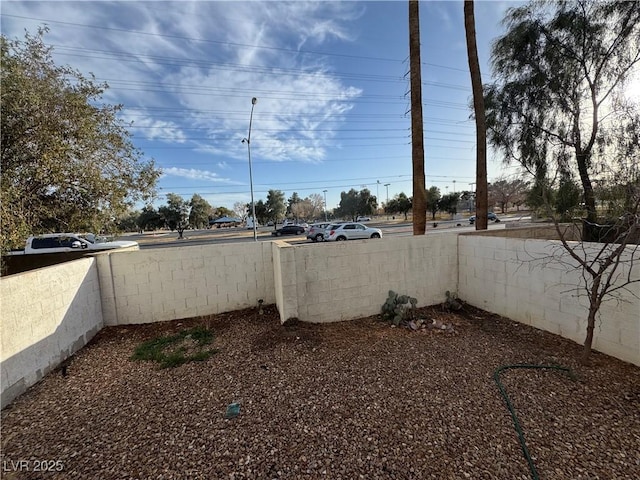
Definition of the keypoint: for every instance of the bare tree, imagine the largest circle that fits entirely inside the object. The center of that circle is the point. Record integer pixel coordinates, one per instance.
(481, 126)
(506, 191)
(417, 140)
(607, 266)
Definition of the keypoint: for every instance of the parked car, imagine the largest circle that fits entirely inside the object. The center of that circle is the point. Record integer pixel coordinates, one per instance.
(350, 231)
(69, 242)
(316, 232)
(363, 219)
(288, 230)
(491, 216)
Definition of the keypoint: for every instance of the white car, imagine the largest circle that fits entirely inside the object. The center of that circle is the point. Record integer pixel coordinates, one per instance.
(363, 219)
(350, 231)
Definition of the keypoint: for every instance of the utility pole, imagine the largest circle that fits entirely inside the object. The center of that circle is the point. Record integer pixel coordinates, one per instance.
(417, 139)
(387, 204)
(482, 201)
(325, 204)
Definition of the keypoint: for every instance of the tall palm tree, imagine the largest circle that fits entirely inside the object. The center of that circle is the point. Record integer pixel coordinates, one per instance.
(417, 141)
(481, 125)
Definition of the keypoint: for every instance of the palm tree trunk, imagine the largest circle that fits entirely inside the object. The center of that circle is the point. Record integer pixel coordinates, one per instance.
(481, 126)
(417, 141)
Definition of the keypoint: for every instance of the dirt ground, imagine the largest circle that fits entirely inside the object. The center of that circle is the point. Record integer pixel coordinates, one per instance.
(356, 399)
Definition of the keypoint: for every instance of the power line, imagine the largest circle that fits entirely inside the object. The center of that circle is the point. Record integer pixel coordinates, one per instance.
(204, 40)
(232, 44)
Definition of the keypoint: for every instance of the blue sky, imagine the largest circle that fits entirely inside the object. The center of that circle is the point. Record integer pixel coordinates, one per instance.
(331, 79)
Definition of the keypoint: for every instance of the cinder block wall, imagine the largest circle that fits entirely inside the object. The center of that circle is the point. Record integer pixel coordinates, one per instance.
(46, 316)
(338, 281)
(166, 284)
(521, 280)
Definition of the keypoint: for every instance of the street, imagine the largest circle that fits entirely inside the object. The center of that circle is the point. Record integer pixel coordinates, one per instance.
(166, 239)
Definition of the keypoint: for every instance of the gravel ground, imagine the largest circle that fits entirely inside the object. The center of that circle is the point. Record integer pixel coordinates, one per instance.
(348, 400)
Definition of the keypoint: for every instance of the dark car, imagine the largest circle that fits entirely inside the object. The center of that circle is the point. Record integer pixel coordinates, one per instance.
(289, 230)
(491, 216)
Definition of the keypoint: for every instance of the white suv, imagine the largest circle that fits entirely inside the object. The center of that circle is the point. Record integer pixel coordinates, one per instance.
(350, 231)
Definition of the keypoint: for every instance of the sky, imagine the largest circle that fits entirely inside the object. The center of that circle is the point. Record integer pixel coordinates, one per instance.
(331, 80)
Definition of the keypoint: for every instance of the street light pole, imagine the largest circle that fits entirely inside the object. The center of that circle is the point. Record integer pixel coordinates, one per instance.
(387, 205)
(473, 197)
(325, 204)
(377, 195)
(248, 140)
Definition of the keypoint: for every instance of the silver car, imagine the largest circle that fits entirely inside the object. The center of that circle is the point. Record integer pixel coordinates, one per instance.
(316, 232)
(350, 231)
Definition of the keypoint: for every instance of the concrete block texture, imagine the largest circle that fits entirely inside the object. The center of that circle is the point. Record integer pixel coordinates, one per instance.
(339, 281)
(47, 315)
(548, 289)
(192, 281)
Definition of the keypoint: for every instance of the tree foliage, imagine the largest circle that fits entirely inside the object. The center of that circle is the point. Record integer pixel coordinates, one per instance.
(354, 203)
(150, 219)
(559, 102)
(449, 203)
(275, 205)
(399, 204)
(200, 212)
(67, 160)
(175, 214)
(560, 108)
(433, 201)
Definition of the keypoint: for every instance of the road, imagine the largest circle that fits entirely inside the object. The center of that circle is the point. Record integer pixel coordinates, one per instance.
(163, 239)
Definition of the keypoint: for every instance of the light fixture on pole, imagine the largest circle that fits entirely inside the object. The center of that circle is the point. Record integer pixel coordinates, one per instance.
(387, 204)
(325, 204)
(248, 141)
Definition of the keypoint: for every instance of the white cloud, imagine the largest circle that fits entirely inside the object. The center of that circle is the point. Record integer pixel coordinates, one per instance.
(195, 174)
(197, 57)
(158, 129)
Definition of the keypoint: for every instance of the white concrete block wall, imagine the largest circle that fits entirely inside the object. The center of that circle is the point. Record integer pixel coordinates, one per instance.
(517, 279)
(331, 282)
(46, 315)
(160, 284)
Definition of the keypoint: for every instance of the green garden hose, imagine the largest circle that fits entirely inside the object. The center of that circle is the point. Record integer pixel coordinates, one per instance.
(516, 423)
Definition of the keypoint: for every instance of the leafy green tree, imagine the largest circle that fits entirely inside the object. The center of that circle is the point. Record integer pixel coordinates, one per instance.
(276, 207)
(367, 203)
(561, 70)
(567, 198)
(129, 221)
(433, 201)
(149, 219)
(399, 204)
(176, 213)
(348, 206)
(67, 161)
(262, 211)
(200, 212)
(223, 212)
(449, 203)
(354, 203)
